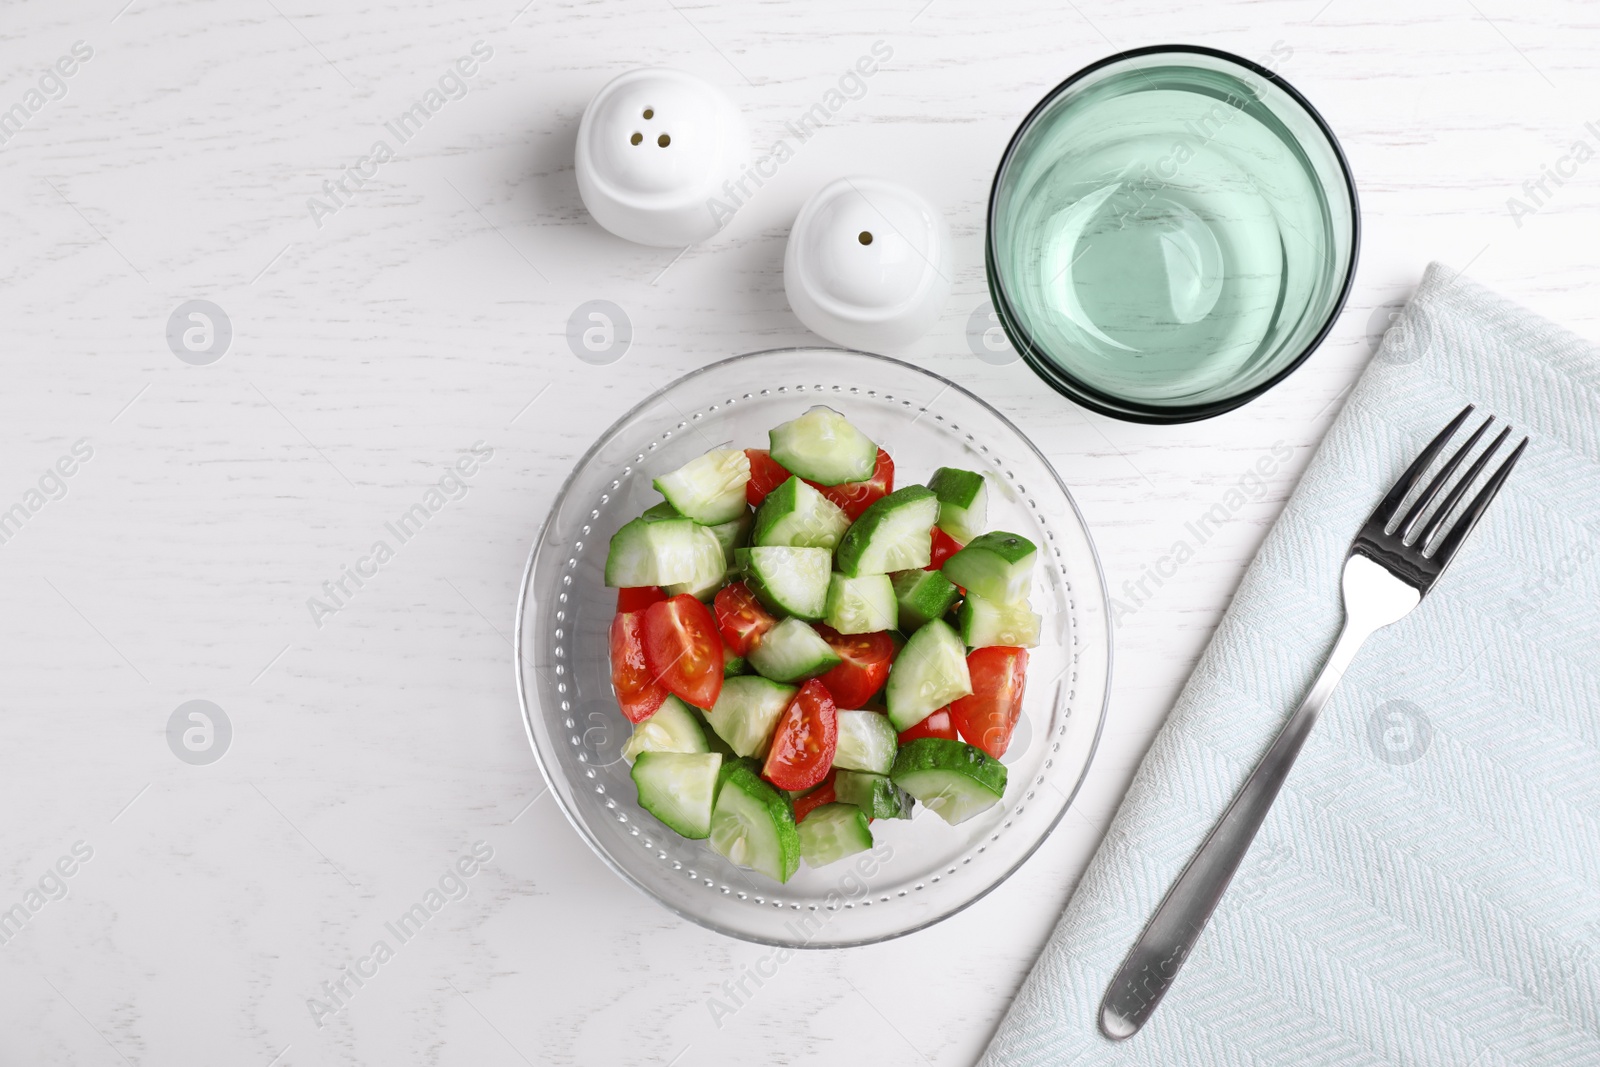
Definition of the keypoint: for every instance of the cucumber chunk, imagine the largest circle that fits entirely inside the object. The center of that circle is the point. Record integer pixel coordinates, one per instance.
(663, 510)
(664, 551)
(708, 489)
(983, 622)
(747, 711)
(997, 566)
(894, 534)
(679, 788)
(797, 515)
(792, 652)
(832, 832)
(752, 824)
(704, 589)
(874, 794)
(732, 666)
(861, 605)
(929, 673)
(963, 502)
(821, 446)
(790, 581)
(867, 742)
(734, 534)
(921, 596)
(673, 728)
(951, 778)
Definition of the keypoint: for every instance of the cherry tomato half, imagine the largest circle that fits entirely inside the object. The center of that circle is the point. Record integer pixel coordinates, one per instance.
(740, 618)
(804, 743)
(856, 497)
(639, 598)
(987, 717)
(766, 474)
(938, 725)
(944, 546)
(864, 666)
(683, 650)
(638, 692)
(822, 794)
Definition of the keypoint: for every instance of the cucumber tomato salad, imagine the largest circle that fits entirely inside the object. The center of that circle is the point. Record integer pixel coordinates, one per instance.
(804, 648)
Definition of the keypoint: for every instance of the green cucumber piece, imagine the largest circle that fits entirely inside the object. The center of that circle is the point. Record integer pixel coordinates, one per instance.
(705, 589)
(734, 534)
(797, 515)
(831, 832)
(893, 534)
(747, 711)
(922, 596)
(983, 622)
(708, 489)
(861, 605)
(715, 743)
(963, 502)
(997, 566)
(951, 778)
(672, 728)
(732, 665)
(792, 652)
(679, 788)
(929, 673)
(821, 446)
(664, 551)
(867, 742)
(874, 794)
(658, 512)
(752, 824)
(790, 581)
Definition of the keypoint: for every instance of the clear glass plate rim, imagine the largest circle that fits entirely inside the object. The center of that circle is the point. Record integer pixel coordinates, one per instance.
(524, 704)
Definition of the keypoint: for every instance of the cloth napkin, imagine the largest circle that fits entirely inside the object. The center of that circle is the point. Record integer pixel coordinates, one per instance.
(1427, 888)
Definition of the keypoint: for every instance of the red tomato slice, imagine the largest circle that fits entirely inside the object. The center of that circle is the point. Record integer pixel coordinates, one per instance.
(766, 474)
(822, 794)
(864, 667)
(637, 690)
(639, 598)
(856, 497)
(987, 717)
(944, 546)
(683, 650)
(804, 743)
(740, 618)
(938, 724)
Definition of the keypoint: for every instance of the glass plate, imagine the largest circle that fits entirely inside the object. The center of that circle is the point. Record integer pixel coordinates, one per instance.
(920, 870)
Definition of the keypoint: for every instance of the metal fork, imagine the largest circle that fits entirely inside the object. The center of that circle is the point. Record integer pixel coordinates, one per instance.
(1393, 562)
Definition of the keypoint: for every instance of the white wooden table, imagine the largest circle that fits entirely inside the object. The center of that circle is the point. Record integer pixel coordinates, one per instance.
(376, 339)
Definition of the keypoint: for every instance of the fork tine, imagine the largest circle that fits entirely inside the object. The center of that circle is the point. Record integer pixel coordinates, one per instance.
(1403, 485)
(1425, 498)
(1459, 490)
(1469, 518)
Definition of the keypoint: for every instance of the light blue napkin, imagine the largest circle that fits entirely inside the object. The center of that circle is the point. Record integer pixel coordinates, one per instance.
(1427, 889)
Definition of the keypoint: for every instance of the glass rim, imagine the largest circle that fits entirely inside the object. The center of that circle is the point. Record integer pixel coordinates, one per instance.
(1110, 404)
(554, 782)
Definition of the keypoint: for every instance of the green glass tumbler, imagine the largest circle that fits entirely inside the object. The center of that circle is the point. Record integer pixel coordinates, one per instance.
(1171, 232)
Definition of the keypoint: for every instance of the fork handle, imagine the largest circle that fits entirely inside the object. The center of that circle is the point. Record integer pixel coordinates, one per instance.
(1171, 934)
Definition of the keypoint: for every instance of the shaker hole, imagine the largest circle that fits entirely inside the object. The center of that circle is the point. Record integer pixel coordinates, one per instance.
(865, 237)
(649, 112)
(636, 138)
(663, 140)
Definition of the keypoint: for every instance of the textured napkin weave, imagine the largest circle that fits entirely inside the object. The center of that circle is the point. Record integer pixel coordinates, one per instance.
(1427, 888)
